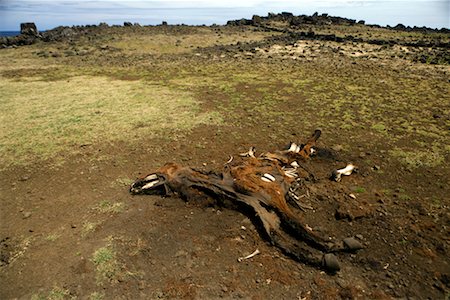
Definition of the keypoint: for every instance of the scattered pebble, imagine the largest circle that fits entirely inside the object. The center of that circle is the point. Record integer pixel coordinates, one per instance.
(26, 215)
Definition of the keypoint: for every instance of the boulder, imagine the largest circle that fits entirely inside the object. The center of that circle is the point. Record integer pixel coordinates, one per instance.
(257, 20)
(28, 29)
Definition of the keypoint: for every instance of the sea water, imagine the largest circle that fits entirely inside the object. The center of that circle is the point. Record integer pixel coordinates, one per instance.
(9, 33)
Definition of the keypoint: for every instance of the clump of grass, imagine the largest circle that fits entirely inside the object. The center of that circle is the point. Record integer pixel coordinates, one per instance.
(52, 237)
(404, 197)
(106, 264)
(96, 296)
(124, 181)
(88, 227)
(418, 158)
(107, 207)
(360, 189)
(380, 127)
(56, 293)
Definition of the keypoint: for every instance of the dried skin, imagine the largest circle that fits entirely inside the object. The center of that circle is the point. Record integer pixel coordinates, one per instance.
(241, 182)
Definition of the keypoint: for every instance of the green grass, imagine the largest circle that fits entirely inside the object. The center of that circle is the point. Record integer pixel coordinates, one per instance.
(164, 98)
(56, 293)
(106, 206)
(97, 296)
(88, 227)
(360, 189)
(40, 119)
(413, 159)
(106, 265)
(52, 237)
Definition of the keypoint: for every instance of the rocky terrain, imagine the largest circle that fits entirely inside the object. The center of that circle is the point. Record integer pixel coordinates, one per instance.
(85, 110)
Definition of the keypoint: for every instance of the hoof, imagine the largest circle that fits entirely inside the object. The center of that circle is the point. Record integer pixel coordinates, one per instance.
(330, 263)
(352, 244)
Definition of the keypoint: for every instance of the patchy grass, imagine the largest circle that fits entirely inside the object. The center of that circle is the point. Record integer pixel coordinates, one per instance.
(418, 158)
(88, 227)
(106, 265)
(97, 296)
(40, 119)
(52, 237)
(176, 44)
(106, 206)
(56, 293)
(124, 181)
(360, 189)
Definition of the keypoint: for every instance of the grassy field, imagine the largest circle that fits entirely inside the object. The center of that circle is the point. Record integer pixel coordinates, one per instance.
(52, 108)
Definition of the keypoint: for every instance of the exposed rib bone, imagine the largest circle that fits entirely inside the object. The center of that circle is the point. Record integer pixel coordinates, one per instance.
(269, 176)
(290, 172)
(256, 252)
(230, 160)
(265, 179)
(150, 184)
(151, 177)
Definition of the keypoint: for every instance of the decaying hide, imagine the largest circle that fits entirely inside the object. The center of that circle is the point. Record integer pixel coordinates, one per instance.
(266, 186)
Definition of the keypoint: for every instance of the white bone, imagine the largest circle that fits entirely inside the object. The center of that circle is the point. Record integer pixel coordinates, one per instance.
(295, 164)
(345, 171)
(151, 177)
(256, 252)
(290, 172)
(150, 184)
(265, 179)
(297, 150)
(250, 153)
(230, 160)
(292, 147)
(269, 176)
(313, 151)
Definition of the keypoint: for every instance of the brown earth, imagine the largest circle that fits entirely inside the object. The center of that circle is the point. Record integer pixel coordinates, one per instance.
(56, 217)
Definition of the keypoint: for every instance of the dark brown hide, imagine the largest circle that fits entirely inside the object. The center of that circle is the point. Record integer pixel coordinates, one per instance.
(242, 182)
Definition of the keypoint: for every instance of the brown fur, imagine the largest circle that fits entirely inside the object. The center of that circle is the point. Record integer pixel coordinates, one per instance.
(241, 182)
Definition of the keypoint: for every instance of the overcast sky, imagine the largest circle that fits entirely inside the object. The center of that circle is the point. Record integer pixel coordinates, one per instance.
(48, 14)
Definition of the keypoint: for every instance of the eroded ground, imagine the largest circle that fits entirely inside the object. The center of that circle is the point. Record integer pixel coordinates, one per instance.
(81, 119)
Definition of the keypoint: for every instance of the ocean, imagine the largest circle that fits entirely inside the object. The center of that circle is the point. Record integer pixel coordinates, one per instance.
(9, 33)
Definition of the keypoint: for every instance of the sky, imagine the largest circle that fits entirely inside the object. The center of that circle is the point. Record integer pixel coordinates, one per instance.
(48, 14)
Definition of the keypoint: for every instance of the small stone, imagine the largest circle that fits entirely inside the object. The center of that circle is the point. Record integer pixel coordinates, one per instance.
(352, 244)
(337, 148)
(181, 253)
(376, 168)
(359, 237)
(352, 196)
(26, 214)
(24, 178)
